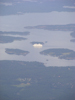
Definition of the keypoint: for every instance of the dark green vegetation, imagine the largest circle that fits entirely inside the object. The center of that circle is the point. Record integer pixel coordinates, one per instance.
(14, 33)
(33, 81)
(60, 53)
(73, 35)
(11, 7)
(73, 40)
(37, 43)
(16, 52)
(8, 39)
(68, 27)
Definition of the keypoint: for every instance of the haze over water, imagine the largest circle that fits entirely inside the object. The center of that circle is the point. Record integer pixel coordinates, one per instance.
(37, 49)
(55, 39)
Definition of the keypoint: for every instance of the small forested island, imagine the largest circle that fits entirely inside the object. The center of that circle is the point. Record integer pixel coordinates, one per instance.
(21, 80)
(34, 42)
(16, 52)
(9, 39)
(68, 27)
(61, 53)
(73, 40)
(73, 35)
(14, 33)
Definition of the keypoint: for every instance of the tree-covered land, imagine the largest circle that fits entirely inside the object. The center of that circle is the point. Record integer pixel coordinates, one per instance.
(9, 39)
(60, 53)
(14, 33)
(68, 27)
(34, 42)
(73, 40)
(8, 7)
(16, 51)
(21, 80)
(73, 35)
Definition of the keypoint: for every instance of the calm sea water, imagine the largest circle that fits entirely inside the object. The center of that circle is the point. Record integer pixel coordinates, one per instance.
(55, 39)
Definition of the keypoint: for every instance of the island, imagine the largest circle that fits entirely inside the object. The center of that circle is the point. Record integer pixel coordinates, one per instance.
(9, 39)
(61, 53)
(34, 42)
(24, 80)
(73, 35)
(68, 27)
(73, 40)
(37, 44)
(14, 33)
(16, 52)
